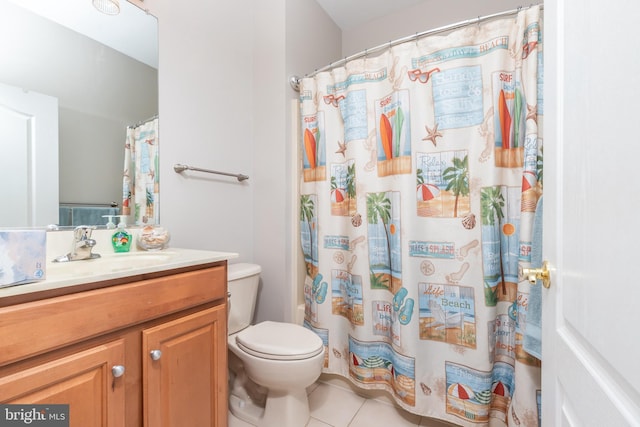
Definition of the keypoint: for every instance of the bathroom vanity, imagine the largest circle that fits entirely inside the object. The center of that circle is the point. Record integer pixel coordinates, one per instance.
(133, 340)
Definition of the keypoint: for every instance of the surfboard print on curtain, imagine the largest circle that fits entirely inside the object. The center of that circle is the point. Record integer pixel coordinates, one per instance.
(421, 171)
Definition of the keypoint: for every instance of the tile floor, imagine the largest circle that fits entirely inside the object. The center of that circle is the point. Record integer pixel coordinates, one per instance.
(333, 403)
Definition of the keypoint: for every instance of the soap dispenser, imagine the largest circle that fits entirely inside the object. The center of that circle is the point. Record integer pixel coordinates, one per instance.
(121, 239)
(110, 224)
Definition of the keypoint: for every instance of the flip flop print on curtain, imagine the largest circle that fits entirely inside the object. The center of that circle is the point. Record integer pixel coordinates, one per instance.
(414, 230)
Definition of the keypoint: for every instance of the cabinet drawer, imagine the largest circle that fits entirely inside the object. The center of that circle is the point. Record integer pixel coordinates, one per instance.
(36, 327)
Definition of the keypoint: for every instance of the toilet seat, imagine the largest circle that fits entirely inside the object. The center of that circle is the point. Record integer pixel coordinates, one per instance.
(279, 341)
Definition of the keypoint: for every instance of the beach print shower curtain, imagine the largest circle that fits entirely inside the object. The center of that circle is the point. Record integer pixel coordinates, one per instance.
(421, 172)
(140, 183)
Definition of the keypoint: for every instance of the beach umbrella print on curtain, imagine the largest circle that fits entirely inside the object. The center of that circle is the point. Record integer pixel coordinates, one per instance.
(337, 195)
(529, 180)
(427, 192)
(461, 391)
(500, 389)
(357, 361)
(399, 218)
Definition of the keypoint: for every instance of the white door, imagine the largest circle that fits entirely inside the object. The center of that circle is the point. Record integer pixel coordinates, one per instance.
(28, 158)
(591, 318)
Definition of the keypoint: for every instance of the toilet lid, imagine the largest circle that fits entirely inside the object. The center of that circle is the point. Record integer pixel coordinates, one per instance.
(279, 341)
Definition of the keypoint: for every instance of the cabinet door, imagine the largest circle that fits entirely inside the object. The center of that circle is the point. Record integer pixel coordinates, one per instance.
(185, 371)
(84, 381)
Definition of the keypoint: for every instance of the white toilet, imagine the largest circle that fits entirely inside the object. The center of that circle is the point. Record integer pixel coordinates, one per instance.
(272, 363)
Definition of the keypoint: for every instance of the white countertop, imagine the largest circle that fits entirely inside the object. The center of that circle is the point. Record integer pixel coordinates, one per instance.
(112, 265)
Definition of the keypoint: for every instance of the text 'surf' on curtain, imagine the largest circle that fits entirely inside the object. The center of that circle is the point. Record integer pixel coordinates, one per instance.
(421, 175)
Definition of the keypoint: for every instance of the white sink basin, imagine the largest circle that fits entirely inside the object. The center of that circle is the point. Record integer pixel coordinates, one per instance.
(111, 263)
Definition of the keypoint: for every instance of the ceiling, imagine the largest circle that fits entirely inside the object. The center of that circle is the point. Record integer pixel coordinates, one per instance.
(348, 14)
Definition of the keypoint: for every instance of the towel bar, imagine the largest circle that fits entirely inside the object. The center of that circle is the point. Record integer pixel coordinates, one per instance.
(180, 168)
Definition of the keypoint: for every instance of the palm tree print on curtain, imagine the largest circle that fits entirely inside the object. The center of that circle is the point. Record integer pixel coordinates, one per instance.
(500, 242)
(383, 218)
(420, 226)
(309, 233)
(442, 184)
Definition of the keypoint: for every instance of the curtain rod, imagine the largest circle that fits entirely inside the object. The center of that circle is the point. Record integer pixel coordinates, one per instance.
(141, 122)
(294, 81)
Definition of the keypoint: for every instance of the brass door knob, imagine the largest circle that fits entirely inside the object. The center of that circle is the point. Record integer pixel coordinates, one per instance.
(534, 274)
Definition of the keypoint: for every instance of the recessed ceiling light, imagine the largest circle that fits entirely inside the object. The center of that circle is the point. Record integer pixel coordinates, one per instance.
(110, 7)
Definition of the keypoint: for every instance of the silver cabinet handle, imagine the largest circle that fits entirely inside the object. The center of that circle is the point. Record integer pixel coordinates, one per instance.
(117, 371)
(155, 354)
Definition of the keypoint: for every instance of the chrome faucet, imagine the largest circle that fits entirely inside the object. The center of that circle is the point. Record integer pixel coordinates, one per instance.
(81, 247)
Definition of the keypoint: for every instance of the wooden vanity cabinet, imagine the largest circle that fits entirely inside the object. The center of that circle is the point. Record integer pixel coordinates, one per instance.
(148, 352)
(182, 375)
(82, 380)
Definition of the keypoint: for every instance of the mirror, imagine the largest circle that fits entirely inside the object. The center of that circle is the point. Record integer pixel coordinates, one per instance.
(103, 72)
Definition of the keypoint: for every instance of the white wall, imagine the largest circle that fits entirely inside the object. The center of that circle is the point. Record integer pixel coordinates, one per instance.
(206, 120)
(270, 241)
(288, 35)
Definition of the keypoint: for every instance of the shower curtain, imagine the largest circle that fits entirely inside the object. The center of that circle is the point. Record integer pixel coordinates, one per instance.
(421, 172)
(140, 183)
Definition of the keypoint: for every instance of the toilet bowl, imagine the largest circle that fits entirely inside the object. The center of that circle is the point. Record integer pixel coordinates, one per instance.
(271, 363)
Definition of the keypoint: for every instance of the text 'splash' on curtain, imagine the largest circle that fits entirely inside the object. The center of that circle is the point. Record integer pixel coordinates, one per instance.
(422, 169)
(141, 181)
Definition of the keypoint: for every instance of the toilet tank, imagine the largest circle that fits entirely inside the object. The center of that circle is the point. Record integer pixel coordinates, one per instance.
(243, 280)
